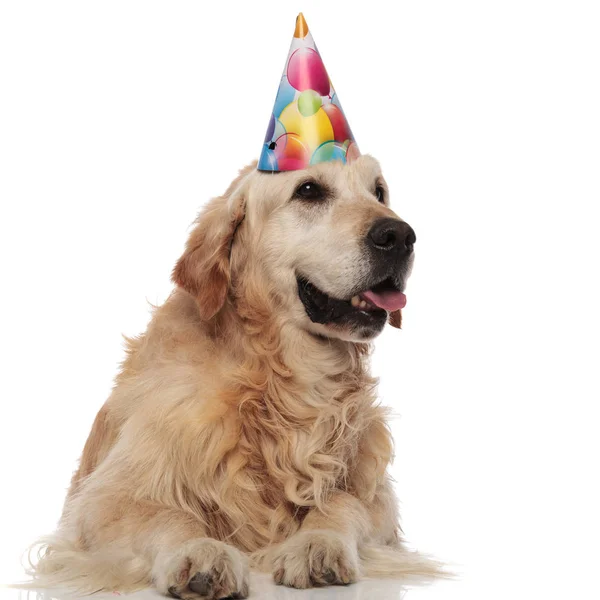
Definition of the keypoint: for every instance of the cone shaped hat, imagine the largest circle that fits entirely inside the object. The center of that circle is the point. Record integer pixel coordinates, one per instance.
(307, 125)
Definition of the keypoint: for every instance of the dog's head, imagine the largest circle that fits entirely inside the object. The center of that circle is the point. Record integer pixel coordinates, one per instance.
(321, 244)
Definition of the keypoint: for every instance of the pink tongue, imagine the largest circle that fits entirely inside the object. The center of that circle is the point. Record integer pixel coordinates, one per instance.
(390, 301)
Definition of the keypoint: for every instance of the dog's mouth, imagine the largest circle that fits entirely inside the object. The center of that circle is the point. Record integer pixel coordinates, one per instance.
(368, 306)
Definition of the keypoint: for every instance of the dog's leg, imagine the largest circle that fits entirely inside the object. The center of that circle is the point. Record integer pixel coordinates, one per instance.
(201, 568)
(181, 560)
(325, 549)
(186, 564)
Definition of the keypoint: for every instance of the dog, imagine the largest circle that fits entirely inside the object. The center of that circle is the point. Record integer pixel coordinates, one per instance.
(243, 430)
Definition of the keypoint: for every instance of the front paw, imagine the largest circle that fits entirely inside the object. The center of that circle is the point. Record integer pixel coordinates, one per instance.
(316, 558)
(202, 568)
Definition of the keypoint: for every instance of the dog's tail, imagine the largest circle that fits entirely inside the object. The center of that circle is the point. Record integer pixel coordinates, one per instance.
(56, 562)
(398, 562)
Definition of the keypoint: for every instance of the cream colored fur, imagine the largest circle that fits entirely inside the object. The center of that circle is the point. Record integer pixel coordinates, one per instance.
(239, 431)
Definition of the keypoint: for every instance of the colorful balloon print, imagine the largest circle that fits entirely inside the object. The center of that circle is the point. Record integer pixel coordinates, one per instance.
(335, 100)
(279, 129)
(341, 129)
(270, 129)
(285, 95)
(275, 130)
(313, 130)
(306, 71)
(328, 151)
(291, 153)
(309, 103)
(268, 161)
(308, 125)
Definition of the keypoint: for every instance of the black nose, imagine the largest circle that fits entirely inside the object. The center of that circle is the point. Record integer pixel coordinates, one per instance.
(392, 235)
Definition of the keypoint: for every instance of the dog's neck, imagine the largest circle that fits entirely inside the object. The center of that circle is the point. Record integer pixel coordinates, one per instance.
(254, 334)
(291, 389)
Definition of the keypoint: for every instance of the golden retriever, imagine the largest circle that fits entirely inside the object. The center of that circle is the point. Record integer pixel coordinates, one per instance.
(243, 430)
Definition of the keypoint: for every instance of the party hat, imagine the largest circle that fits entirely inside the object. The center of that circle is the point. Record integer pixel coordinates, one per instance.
(307, 125)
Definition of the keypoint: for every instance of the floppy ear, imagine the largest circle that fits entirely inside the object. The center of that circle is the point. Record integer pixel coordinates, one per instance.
(203, 269)
(395, 319)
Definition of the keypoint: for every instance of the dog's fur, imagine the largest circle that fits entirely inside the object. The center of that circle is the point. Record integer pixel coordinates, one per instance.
(239, 433)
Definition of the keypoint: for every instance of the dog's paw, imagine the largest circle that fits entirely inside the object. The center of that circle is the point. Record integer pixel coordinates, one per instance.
(202, 568)
(316, 558)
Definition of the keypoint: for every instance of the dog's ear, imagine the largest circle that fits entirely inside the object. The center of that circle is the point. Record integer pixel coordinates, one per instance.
(395, 319)
(203, 269)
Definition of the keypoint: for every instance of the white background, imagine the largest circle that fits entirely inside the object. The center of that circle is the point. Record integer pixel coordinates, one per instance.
(118, 119)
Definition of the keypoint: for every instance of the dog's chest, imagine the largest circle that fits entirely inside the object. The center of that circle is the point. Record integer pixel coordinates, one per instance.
(270, 498)
(295, 443)
(276, 475)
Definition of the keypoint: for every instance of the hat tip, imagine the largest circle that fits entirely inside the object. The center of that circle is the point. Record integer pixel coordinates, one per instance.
(301, 26)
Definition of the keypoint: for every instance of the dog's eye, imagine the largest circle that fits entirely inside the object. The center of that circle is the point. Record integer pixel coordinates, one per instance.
(310, 190)
(380, 193)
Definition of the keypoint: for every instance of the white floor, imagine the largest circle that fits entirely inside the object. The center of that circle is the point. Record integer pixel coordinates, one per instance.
(262, 588)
